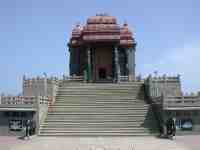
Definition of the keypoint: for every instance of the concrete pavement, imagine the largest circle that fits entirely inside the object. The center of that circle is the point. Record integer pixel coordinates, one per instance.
(100, 143)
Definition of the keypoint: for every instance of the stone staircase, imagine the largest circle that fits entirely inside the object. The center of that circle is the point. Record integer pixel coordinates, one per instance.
(99, 109)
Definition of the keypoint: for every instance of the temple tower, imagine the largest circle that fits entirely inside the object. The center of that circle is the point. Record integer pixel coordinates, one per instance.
(102, 50)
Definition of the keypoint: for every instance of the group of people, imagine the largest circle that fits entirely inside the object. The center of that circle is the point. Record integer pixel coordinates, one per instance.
(30, 128)
(169, 129)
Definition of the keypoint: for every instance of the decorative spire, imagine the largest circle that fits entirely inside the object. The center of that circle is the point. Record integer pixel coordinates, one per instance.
(125, 24)
(78, 24)
(102, 14)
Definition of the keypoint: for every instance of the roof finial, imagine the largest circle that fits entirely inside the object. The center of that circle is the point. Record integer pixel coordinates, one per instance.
(125, 23)
(102, 14)
(78, 24)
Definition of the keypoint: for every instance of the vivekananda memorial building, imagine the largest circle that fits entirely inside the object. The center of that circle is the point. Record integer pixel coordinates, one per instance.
(103, 95)
(102, 50)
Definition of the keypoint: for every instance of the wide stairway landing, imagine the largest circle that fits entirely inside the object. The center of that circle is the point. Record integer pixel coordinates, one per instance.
(99, 109)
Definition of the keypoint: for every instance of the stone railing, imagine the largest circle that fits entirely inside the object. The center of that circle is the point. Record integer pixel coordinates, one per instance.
(44, 100)
(164, 78)
(182, 102)
(123, 78)
(24, 100)
(18, 100)
(39, 80)
(41, 86)
(163, 85)
(73, 78)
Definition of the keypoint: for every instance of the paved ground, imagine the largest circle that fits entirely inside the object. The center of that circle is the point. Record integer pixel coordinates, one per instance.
(6, 142)
(100, 143)
(190, 141)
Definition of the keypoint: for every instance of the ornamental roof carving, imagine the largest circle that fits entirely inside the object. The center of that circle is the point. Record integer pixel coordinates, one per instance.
(101, 28)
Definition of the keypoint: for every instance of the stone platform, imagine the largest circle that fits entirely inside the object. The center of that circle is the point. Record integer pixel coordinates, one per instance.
(101, 143)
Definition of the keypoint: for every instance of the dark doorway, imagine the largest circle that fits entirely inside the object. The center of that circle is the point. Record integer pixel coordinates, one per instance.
(102, 73)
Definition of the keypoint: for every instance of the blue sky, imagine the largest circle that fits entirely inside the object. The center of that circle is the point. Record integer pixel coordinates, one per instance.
(34, 34)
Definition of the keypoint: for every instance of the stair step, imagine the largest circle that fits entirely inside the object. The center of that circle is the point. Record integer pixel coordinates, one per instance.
(96, 99)
(134, 90)
(92, 123)
(113, 97)
(109, 130)
(96, 118)
(95, 129)
(85, 106)
(97, 94)
(95, 113)
(96, 134)
(107, 85)
(95, 103)
(97, 126)
(99, 109)
(135, 117)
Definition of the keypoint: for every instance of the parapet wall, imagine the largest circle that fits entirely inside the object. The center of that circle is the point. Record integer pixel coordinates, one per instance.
(40, 86)
(183, 102)
(163, 85)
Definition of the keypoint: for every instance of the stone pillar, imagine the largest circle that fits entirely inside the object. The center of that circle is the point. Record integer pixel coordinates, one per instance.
(89, 69)
(117, 66)
(93, 65)
(131, 64)
(127, 63)
(70, 61)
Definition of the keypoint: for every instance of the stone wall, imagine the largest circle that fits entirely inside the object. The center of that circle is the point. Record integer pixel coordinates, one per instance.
(43, 103)
(40, 86)
(18, 100)
(163, 85)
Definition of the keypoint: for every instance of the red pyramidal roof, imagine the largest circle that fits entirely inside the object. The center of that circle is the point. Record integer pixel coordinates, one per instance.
(101, 28)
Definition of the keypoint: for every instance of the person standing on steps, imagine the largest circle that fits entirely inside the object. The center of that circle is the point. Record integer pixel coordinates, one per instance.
(27, 129)
(174, 127)
(171, 128)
